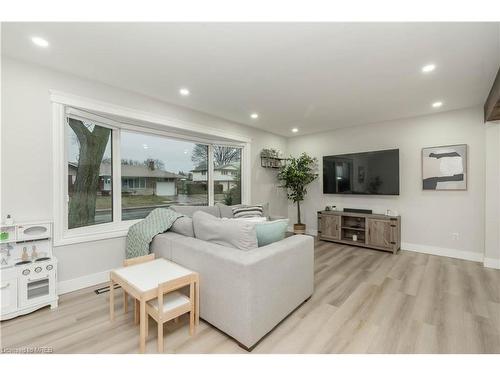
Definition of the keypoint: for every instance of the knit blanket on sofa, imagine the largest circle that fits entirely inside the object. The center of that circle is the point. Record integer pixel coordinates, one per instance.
(141, 234)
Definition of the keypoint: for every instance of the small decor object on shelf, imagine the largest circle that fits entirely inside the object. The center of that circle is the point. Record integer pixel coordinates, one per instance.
(9, 220)
(355, 237)
(271, 158)
(327, 208)
(295, 176)
(444, 168)
(25, 257)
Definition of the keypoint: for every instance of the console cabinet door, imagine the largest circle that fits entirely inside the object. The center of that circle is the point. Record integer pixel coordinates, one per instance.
(379, 233)
(330, 227)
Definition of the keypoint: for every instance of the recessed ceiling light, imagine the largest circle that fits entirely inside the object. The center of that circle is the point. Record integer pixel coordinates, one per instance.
(254, 115)
(184, 92)
(295, 130)
(428, 68)
(40, 42)
(145, 146)
(437, 104)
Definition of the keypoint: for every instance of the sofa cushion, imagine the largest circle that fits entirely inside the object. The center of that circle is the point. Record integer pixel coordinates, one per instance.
(271, 231)
(162, 244)
(226, 211)
(190, 210)
(230, 233)
(184, 226)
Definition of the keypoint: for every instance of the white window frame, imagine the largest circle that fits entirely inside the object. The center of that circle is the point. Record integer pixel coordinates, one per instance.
(138, 121)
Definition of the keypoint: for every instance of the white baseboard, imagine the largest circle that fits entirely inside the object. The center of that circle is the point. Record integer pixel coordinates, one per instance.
(67, 286)
(443, 251)
(492, 263)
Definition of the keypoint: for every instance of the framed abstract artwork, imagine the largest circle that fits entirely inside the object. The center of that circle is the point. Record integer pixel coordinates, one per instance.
(444, 168)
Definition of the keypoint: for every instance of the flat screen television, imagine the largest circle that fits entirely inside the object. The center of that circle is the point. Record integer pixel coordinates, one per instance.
(369, 173)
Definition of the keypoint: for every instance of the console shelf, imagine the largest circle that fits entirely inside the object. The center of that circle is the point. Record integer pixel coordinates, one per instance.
(373, 231)
(354, 228)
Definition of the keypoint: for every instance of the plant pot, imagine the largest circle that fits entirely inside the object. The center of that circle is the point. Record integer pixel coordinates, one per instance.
(299, 228)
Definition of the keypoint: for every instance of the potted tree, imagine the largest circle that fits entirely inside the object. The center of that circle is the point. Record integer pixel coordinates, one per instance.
(295, 176)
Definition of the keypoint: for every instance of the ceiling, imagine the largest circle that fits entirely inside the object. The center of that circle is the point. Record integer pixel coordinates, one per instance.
(313, 76)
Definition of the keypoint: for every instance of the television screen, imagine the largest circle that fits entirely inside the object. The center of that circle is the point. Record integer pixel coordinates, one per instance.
(375, 172)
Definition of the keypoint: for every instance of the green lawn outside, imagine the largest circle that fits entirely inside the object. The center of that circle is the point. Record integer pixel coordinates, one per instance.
(133, 201)
(104, 202)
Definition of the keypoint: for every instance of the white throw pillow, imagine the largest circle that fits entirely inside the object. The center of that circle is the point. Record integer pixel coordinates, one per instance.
(230, 233)
(256, 219)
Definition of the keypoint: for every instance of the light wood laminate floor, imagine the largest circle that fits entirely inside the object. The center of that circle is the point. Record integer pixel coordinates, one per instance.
(365, 301)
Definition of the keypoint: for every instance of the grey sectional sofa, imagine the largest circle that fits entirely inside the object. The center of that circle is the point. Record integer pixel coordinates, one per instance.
(244, 293)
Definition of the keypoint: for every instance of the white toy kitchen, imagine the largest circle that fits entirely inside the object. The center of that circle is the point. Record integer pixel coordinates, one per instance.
(28, 273)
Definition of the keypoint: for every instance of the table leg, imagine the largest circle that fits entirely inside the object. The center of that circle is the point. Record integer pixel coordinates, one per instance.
(197, 299)
(125, 302)
(142, 344)
(111, 300)
(136, 311)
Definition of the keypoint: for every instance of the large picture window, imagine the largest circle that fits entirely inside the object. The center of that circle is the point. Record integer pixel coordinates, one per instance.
(158, 172)
(116, 173)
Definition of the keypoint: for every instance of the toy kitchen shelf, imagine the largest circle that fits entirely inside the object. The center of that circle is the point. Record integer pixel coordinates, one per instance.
(28, 278)
(33, 230)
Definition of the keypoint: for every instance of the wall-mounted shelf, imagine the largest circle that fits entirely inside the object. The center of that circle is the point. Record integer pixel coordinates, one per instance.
(268, 162)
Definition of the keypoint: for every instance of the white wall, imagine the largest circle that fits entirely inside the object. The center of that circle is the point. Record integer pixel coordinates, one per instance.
(27, 161)
(492, 203)
(428, 217)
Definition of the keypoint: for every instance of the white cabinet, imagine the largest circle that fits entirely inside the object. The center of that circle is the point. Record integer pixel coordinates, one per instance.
(8, 294)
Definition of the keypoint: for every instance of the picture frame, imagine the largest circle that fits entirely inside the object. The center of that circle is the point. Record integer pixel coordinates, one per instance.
(444, 167)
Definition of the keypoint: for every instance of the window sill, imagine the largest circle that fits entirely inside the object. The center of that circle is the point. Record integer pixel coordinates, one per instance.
(94, 233)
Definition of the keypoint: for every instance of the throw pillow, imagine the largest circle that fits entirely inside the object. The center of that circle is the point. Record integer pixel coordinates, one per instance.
(227, 211)
(230, 233)
(271, 231)
(247, 211)
(184, 226)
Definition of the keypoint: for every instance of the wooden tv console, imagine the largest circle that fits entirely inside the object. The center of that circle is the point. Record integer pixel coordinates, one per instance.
(374, 231)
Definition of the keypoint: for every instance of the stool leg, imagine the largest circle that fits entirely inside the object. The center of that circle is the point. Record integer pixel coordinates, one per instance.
(147, 325)
(160, 337)
(191, 323)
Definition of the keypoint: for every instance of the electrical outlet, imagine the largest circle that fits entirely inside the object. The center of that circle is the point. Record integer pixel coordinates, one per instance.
(455, 236)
